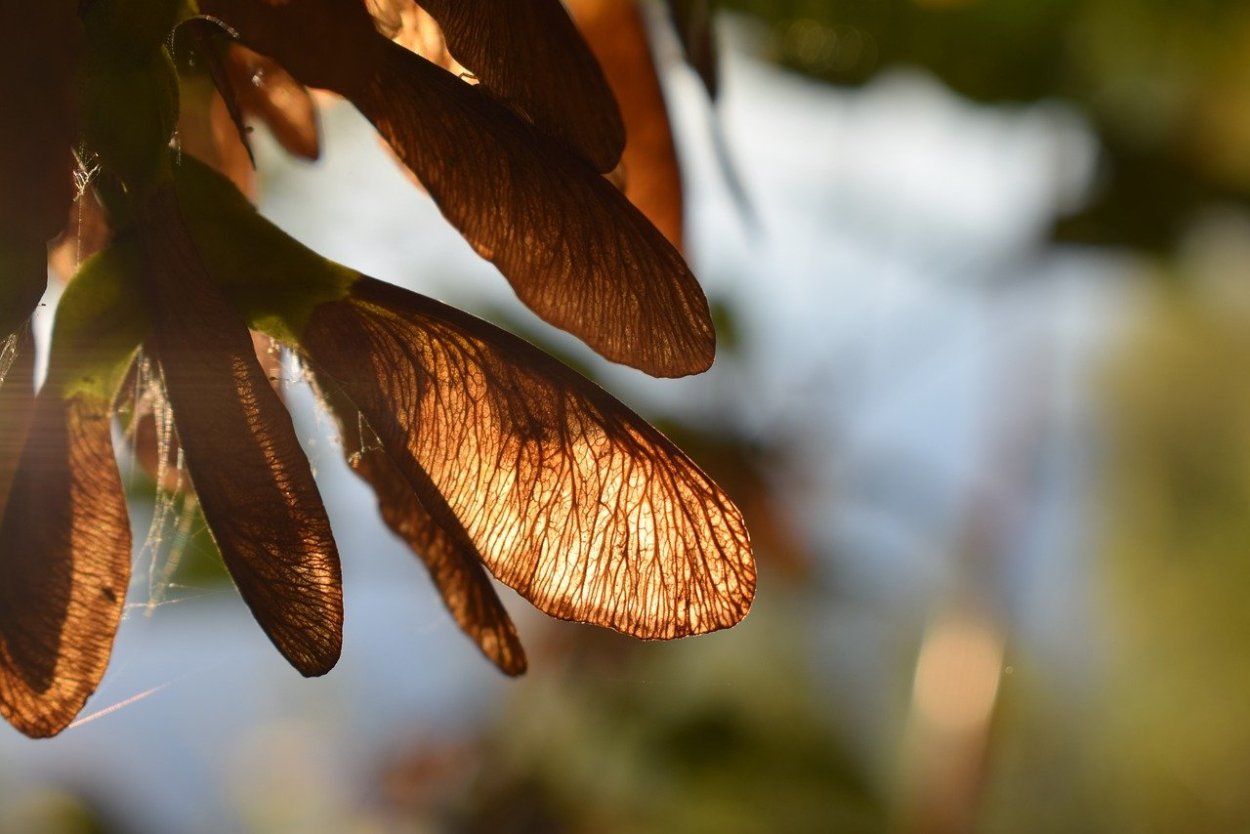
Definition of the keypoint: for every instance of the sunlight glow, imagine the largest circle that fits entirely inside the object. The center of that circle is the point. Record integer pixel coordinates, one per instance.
(957, 674)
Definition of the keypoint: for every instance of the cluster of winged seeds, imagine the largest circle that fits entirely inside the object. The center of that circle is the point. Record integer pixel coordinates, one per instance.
(487, 456)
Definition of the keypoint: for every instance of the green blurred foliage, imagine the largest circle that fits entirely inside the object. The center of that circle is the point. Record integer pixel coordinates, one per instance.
(55, 811)
(1165, 85)
(675, 738)
(178, 549)
(1153, 737)
(1177, 722)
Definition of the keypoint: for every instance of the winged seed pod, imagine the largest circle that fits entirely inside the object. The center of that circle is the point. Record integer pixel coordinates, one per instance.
(487, 456)
(573, 247)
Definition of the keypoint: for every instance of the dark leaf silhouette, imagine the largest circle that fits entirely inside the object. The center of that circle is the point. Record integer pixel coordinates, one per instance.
(17, 402)
(693, 21)
(531, 56)
(23, 279)
(331, 44)
(37, 68)
(252, 479)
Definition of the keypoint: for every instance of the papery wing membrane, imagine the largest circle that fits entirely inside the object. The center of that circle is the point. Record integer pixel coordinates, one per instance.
(267, 90)
(574, 248)
(453, 562)
(569, 497)
(617, 34)
(250, 475)
(531, 56)
(64, 564)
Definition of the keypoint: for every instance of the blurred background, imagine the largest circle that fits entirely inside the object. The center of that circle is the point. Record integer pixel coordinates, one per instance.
(980, 272)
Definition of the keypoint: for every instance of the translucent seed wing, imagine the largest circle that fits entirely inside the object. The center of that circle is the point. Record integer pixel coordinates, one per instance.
(245, 253)
(410, 26)
(331, 44)
(64, 564)
(389, 15)
(531, 56)
(202, 32)
(617, 34)
(569, 497)
(286, 107)
(574, 248)
(453, 562)
(252, 479)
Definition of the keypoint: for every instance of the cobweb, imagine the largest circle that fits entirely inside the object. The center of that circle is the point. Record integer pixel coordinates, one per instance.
(8, 352)
(86, 169)
(155, 458)
(302, 392)
(176, 521)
